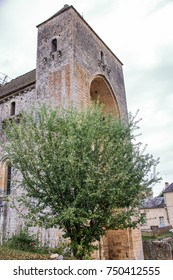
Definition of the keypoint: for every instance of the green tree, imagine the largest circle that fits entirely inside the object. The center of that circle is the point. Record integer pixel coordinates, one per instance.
(82, 171)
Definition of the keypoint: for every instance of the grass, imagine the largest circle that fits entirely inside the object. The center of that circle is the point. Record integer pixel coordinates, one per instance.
(13, 254)
(7, 253)
(157, 237)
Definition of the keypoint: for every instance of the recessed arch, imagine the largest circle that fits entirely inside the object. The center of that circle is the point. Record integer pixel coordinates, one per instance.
(101, 91)
(5, 175)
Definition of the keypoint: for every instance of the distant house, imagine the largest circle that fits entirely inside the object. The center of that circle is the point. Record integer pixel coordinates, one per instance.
(158, 211)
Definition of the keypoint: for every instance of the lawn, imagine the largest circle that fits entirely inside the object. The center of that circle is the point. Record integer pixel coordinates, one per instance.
(13, 254)
(157, 237)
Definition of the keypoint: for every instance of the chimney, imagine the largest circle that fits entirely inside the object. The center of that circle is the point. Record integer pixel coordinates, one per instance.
(166, 184)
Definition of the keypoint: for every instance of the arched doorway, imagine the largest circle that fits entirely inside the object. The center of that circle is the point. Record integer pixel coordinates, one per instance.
(101, 91)
(5, 176)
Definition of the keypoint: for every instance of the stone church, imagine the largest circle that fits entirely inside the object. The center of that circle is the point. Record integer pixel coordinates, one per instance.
(74, 66)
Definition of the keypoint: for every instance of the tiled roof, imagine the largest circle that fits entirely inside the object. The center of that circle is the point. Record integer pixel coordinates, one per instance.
(169, 189)
(156, 202)
(18, 83)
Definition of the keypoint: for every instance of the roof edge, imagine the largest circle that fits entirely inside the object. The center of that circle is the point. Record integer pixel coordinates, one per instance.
(18, 83)
(65, 8)
(169, 188)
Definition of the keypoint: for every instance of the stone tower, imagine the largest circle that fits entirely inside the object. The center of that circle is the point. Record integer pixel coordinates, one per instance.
(74, 67)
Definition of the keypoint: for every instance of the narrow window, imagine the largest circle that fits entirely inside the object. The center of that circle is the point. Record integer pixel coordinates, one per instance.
(1, 209)
(102, 56)
(54, 45)
(8, 186)
(162, 222)
(13, 108)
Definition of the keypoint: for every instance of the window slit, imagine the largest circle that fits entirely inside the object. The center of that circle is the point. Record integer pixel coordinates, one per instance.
(13, 109)
(54, 45)
(8, 190)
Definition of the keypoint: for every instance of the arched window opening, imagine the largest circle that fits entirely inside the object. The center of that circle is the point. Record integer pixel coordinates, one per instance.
(5, 177)
(54, 45)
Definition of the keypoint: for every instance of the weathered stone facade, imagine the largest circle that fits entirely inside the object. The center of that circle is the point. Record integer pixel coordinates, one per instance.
(158, 250)
(74, 66)
(124, 244)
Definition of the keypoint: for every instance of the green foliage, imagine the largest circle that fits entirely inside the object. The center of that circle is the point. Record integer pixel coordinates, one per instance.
(82, 171)
(27, 246)
(7, 253)
(23, 241)
(62, 249)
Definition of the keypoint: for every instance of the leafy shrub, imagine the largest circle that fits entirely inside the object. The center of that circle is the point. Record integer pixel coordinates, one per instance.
(23, 241)
(63, 249)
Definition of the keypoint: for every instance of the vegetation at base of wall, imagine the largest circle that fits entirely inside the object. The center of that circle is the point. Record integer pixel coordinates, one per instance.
(12, 254)
(157, 236)
(25, 242)
(25, 246)
(7, 253)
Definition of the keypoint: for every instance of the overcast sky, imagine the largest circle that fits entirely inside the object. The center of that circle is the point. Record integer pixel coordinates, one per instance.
(139, 32)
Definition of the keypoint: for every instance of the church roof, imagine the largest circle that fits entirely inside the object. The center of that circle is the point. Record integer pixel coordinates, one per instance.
(18, 83)
(156, 202)
(169, 189)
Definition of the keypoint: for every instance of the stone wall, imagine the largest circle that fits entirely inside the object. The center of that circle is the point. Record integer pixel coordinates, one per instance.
(54, 72)
(155, 232)
(92, 58)
(158, 250)
(122, 244)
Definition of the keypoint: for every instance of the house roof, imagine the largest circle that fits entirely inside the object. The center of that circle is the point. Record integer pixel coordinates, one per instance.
(169, 189)
(156, 202)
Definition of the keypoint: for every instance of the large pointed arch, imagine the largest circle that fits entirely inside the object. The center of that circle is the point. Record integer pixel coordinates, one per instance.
(101, 91)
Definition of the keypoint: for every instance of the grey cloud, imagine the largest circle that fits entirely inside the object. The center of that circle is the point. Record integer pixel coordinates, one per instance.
(155, 81)
(159, 5)
(101, 7)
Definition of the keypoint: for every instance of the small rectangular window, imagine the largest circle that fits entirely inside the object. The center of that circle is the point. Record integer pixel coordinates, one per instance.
(54, 45)
(162, 221)
(13, 109)
(1, 209)
(102, 56)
